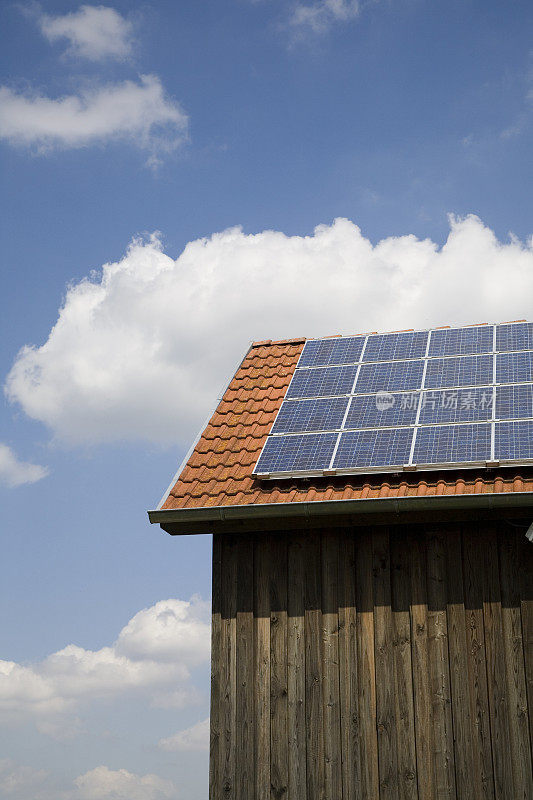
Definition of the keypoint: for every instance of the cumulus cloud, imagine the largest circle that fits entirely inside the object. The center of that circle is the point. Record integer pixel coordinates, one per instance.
(18, 782)
(153, 654)
(141, 349)
(170, 631)
(194, 738)
(138, 112)
(14, 472)
(105, 784)
(319, 17)
(92, 32)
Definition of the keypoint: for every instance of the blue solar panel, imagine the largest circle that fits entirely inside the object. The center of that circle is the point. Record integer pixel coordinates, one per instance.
(361, 398)
(396, 346)
(390, 447)
(383, 410)
(454, 372)
(311, 451)
(514, 440)
(319, 352)
(514, 367)
(296, 416)
(322, 382)
(442, 444)
(461, 341)
(513, 402)
(389, 377)
(518, 336)
(456, 405)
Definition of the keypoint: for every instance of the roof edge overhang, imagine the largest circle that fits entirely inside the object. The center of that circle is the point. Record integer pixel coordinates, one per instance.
(397, 506)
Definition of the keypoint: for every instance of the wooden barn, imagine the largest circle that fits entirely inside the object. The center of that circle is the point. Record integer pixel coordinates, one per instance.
(372, 626)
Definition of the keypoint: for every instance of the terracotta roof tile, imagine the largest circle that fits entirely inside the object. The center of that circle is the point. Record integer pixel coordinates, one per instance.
(219, 471)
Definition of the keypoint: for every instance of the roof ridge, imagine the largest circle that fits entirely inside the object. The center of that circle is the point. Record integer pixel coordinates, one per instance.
(271, 343)
(302, 339)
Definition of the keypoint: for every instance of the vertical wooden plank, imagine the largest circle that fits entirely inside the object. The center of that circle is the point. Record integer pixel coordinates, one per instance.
(386, 710)
(313, 674)
(330, 665)
(348, 668)
(514, 657)
(296, 667)
(262, 666)
(244, 751)
(366, 665)
(482, 776)
(496, 672)
(420, 661)
(279, 763)
(525, 582)
(403, 678)
(442, 739)
(215, 786)
(228, 681)
(457, 644)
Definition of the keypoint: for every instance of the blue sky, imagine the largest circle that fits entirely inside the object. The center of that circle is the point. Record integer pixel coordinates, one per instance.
(203, 151)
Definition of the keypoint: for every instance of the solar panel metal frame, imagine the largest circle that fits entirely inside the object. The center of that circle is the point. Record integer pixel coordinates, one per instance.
(491, 386)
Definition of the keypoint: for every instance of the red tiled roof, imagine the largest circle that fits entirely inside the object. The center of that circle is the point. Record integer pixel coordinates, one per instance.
(219, 471)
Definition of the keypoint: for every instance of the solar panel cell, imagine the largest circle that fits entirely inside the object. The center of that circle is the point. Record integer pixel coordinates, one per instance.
(296, 416)
(322, 382)
(462, 341)
(442, 444)
(513, 402)
(320, 352)
(514, 440)
(396, 346)
(389, 377)
(383, 410)
(514, 367)
(456, 405)
(455, 372)
(373, 448)
(518, 336)
(300, 452)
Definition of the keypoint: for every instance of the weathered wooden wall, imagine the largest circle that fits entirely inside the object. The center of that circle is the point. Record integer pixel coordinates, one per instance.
(378, 663)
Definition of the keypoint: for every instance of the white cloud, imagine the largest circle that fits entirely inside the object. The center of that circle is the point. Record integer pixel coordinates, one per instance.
(171, 631)
(105, 784)
(194, 738)
(14, 472)
(320, 16)
(17, 781)
(141, 350)
(153, 654)
(140, 113)
(93, 32)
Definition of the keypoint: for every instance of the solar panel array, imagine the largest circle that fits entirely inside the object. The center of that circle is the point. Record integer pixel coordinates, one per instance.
(430, 399)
